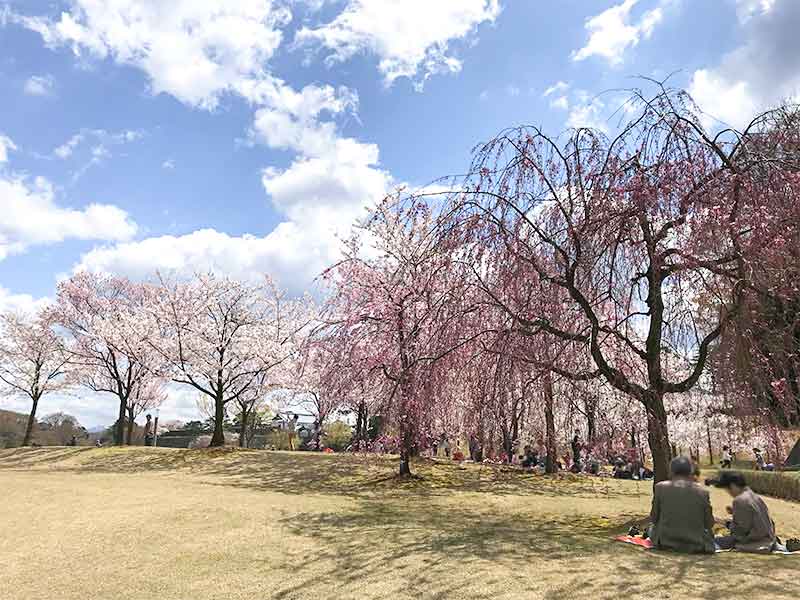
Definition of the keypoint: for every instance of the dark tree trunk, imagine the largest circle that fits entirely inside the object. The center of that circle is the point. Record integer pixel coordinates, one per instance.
(405, 462)
(360, 428)
(129, 431)
(119, 429)
(406, 440)
(508, 445)
(318, 433)
(658, 438)
(591, 420)
(406, 447)
(550, 424)
(710, 447)
(26, 441)
(218, 439)
(243, 430)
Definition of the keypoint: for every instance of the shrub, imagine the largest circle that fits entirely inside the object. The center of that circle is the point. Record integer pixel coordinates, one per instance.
(278, 440)
(337, 436)
(775, 484)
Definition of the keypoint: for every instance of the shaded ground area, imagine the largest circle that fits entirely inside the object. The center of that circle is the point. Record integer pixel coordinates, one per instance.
(175, 524)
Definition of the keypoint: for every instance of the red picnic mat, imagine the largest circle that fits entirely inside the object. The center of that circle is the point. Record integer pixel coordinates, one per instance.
(636, 541)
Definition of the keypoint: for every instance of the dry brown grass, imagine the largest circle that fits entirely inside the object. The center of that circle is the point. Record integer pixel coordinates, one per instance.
(177, 524)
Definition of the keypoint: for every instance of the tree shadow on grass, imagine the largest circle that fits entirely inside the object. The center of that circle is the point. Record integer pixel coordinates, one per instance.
(448, 553)
(27, 458)
(473, 553)
(306, 472)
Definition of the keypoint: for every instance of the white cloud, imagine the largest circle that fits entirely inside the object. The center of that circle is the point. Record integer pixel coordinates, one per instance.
(587, 111)
(24, 303)
(761, 72)
(410, 38)
(194, 50)
(611, 32)
(324, 195)
(39, 85)
(561, 103)
(30, 216)
(66, 149)
(558, 95)
(6, 145)
(103, 139)
(558, 88)
(745, 9)
(287, 253)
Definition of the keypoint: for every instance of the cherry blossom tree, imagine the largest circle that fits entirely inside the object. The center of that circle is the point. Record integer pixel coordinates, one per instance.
(33, 361)
(643, 240)
(397, 296)
(224, 337)
(103, 318)
(758, 359)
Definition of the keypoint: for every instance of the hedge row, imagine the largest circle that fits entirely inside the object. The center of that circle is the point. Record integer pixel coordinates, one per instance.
(775, 484)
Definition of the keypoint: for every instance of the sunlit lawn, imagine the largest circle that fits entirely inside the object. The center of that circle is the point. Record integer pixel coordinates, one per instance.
(176, 524)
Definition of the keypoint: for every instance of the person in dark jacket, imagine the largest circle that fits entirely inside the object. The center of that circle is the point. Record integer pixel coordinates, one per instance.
(752, 529)
(681, 515)
(576, 452)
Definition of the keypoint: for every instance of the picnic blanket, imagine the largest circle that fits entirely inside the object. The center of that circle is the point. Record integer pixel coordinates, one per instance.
(648, 545)
(635, 540)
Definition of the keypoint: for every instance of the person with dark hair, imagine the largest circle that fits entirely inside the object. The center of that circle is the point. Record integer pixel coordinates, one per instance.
(751, 527)
(622, 471)
(529, 458)
(681, 514)
(760, 462)
(727, 458)
(576, 452)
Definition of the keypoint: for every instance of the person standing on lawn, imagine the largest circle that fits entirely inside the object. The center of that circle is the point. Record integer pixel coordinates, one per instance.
(148, 431)
(752, 529)
(727, 458)
(292, 429)
(681, 515)
(576, 451)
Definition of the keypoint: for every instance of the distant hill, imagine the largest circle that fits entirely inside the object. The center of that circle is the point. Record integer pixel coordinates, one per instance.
(12, 414)
(12, 428)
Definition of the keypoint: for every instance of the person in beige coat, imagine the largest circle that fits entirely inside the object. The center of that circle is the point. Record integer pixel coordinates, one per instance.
(752, 529)
(681, 515)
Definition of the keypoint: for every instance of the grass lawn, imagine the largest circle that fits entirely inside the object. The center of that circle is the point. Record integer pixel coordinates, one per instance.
(180, 524)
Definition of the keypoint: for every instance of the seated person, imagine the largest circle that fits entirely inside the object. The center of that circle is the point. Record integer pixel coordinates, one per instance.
(621, 471)
(752, 529)
(760, 462)
(529, 458)
(681, 514)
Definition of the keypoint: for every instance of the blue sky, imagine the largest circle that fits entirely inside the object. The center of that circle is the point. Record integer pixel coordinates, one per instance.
(245, 136)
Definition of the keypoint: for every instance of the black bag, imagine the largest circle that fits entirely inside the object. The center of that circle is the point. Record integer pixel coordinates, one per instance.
(793, 545)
